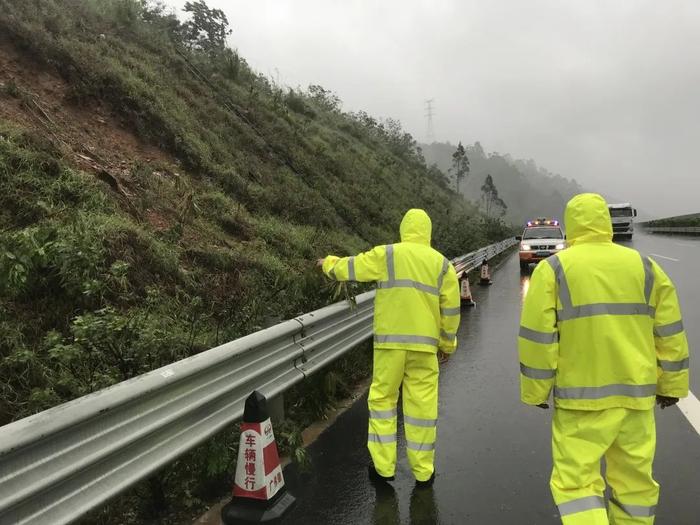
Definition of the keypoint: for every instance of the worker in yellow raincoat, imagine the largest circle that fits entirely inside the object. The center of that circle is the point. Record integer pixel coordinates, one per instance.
(601, 327)
(416, 316)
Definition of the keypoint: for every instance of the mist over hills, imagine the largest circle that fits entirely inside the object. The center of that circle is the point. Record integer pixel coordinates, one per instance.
(528, 190)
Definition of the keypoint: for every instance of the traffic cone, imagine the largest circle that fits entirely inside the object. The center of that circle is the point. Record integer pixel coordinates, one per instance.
(465, 292)
(259, 493)
(485, 274)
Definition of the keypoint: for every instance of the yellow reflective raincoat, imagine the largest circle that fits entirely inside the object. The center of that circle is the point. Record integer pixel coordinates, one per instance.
(417, 304)
(601, 324)
(417, 313)
(601, 327)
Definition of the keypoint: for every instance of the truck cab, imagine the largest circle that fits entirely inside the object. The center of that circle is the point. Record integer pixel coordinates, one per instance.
(541, 238)
(622, 216)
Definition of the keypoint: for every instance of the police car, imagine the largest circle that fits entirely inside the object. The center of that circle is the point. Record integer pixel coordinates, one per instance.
(541, 238)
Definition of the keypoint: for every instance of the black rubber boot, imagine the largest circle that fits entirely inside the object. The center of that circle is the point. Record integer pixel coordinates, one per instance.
(427, 483)
(375, 477)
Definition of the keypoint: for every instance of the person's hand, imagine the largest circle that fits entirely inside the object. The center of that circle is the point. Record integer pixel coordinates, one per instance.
(319, 263)
(664, 401)
(544, 406)
(442, 357)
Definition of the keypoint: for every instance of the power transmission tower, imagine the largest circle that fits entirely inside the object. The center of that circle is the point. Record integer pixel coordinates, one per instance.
(429, 112)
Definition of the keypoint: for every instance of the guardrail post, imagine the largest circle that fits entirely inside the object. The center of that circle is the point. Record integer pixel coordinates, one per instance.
(275, 407)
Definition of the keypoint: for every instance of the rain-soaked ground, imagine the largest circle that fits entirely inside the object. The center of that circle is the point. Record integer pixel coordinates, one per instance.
(493, 454)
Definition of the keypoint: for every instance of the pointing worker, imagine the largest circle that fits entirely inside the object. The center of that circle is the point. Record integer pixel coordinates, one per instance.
(416, 316)
(601, 327)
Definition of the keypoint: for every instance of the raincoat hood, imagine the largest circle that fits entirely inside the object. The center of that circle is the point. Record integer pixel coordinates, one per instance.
(416, 227)
(588, 219)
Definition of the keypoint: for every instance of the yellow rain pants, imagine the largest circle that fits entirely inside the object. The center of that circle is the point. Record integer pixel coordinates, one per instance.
(626, 438)
(418, 371)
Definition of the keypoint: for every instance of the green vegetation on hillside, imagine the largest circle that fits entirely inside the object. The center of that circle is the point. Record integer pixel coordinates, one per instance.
(683, 221)
(527, 189)
(289, 154)
(111, 266)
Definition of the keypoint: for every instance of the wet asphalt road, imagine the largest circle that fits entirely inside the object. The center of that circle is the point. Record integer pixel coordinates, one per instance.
(493, 454)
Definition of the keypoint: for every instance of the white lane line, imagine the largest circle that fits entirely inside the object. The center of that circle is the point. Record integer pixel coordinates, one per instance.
(690, 408)
(664, 257)
(686, 244)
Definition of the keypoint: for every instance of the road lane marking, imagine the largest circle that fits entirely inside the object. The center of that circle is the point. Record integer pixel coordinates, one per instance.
(664, 257)
(690, 408)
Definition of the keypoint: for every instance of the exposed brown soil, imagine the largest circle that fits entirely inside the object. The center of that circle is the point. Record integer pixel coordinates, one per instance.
(91, 136)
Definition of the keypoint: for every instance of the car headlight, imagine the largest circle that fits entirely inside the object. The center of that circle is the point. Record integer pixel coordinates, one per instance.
(525, 247)
(560, 246)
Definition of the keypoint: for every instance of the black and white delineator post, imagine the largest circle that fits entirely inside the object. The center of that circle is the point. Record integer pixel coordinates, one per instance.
(485, 274)
(259, 494)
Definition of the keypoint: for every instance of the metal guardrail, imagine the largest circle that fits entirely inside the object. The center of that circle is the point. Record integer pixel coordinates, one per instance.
(58, 464)
(473, 260)
(695, 230)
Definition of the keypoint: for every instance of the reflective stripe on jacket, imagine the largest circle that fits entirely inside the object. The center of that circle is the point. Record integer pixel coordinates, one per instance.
(417, 306)
(601, 324)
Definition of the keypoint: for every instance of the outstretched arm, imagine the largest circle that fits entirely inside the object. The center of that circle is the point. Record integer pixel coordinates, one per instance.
(365, 267)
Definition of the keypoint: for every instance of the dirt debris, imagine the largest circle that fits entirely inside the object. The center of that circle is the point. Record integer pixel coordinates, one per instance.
(92, 137)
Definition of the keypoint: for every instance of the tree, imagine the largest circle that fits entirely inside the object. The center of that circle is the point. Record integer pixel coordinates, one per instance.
(460, 165)
(325, 98)
(162, 17)
(490, 199)
(207, 29)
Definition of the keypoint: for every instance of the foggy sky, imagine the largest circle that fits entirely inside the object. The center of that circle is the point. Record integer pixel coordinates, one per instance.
(604, 91)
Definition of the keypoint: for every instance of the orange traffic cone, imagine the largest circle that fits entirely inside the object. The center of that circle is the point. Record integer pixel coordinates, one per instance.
(485, 274)
(259, 493)
(465, 292)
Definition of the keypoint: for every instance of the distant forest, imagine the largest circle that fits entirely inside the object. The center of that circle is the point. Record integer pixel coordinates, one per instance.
(527, 189)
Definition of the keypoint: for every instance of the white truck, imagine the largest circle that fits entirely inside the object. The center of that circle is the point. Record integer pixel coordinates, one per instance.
(622, 216)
